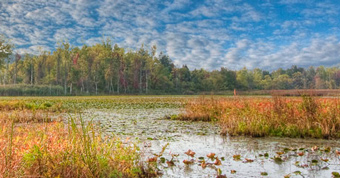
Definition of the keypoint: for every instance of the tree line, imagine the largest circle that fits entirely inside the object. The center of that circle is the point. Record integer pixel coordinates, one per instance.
(109, 69)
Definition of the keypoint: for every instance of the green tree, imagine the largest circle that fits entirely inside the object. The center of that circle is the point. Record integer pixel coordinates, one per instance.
(244, 79)
(229, 79)
(282, 82)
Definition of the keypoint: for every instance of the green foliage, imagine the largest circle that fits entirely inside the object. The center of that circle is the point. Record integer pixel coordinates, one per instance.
(30, 90)
(109, 69)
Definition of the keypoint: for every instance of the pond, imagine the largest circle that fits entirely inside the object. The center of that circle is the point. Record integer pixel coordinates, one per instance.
(239, 156)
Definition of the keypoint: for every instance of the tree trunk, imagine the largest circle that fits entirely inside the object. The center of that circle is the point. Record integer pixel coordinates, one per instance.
(146, 82)
(65, 88)
(82, 86)
(6, 73)
(96, 83)
(111, 85)
(15, 73)
(31, 74)
(58, 69)
(65, 78)
(71, 89)
(118, 84)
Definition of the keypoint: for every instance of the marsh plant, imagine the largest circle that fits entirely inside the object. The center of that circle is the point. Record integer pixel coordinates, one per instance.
(306, 116)
(46, 148)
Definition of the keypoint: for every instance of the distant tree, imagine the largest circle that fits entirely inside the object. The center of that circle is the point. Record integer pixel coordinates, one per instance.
(103, 68)
(29, 63)
(294, 69)
(244, 79)
(257, 78)
(267, 82)
(309, 82)
(321, 78)
(16, 62)
(185, 78)
(282, 82)
(336, 77)
(229, 79)
(217, 79)
(276, 73)
(297, 80)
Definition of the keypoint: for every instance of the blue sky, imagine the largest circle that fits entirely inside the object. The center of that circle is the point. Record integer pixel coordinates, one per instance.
(208, 34)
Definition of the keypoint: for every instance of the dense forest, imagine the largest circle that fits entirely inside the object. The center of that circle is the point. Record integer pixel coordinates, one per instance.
(109, 69)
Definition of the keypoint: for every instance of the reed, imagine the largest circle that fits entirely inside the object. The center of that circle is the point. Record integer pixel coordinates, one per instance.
(306, 116)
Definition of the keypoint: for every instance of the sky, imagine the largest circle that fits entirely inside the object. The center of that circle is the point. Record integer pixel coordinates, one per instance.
(209, 34)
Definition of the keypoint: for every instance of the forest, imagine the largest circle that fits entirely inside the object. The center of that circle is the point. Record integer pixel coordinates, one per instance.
(109, 69)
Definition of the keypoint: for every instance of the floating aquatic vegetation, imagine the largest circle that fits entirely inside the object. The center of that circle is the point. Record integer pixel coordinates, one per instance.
(325, 159)
(280, 153)
(190, 153)
(219, 174)
(162, 159)
(315, 148)
(170, 163)
(264, 173)
(217, 162)
(211, 155)
(153, 159)
(237, 157)
(203, 164)
(278, 159)
(248, 160)
(336, 174)
(287, 176)
(297, 172)
(187, 162)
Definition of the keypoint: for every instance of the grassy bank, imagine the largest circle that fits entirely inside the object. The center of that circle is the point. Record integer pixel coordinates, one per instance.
(35, 145)
(277, 116)
(31, 90)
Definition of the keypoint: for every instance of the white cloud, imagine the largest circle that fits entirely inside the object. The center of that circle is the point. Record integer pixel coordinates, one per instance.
(290, 2)
(210, 34)
(270, 56)
(35, 49)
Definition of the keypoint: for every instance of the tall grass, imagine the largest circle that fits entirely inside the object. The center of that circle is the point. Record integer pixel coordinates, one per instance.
(306, 116)
(55, 149)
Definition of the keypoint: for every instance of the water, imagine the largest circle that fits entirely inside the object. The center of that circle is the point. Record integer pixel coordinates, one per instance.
(149, 128)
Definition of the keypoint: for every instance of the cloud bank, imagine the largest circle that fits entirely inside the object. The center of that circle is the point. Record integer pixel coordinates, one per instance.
(202, 34)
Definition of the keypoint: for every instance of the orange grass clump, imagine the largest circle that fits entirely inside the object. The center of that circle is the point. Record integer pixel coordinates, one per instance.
(306, 116)
(55, 149)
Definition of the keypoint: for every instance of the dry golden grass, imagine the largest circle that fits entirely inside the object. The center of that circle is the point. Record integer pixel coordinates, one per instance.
(277, 116)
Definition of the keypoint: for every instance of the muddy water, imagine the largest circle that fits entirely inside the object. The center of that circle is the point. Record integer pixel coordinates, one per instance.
(151, 132)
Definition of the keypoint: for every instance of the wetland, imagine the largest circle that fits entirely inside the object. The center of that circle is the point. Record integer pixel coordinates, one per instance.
(165, 145)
